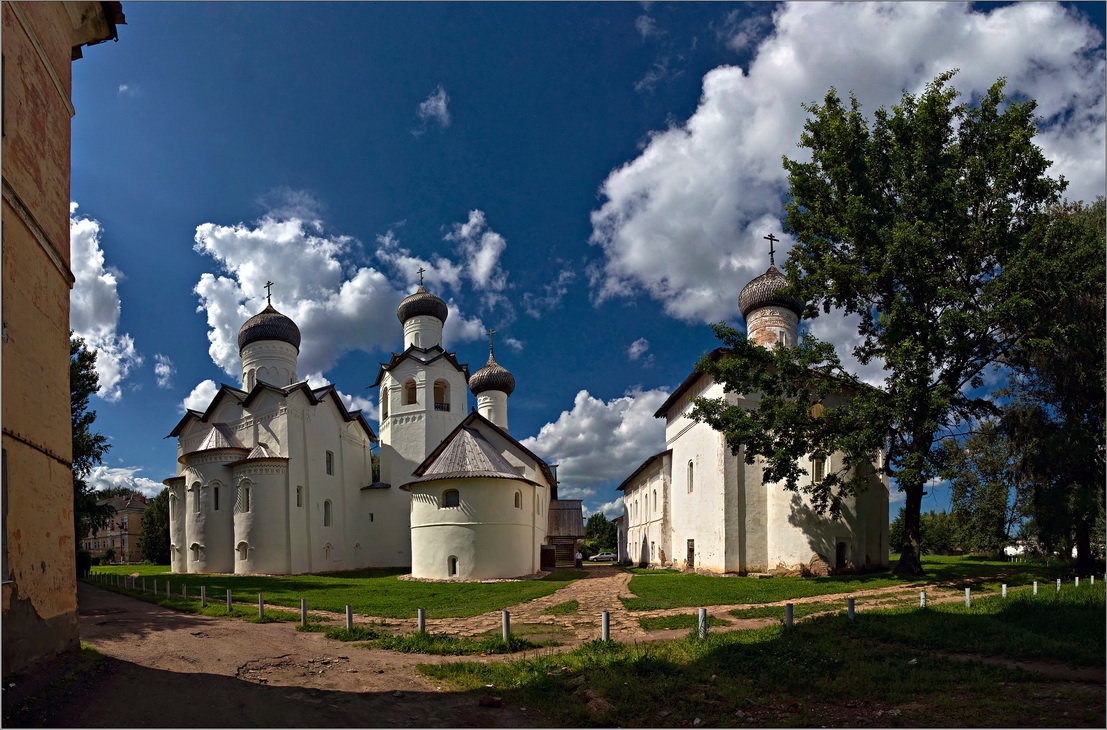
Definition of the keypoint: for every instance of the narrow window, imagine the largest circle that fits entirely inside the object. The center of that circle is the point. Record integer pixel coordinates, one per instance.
(653, 551)
(195, 551)
(327, 513)
(655, 500)
(330, 462)
(451, 498)
(370, 516)
(243, 550)
(244, 497)
(417, 340)
(409, 392)
(818, 470)
(691, 476)
(327, 551)
(299, 496)
(196, 500)
(384, 403)
(214, 501)
(441, 395)
(518, 500)
(452, 566)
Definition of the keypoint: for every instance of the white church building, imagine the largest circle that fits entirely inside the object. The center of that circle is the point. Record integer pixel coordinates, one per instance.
(276, 477)
(699, 507)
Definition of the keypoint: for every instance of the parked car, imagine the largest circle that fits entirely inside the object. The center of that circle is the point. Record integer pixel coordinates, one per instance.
(601, 557)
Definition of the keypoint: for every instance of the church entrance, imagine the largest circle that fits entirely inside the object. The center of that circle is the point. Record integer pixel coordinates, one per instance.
(691, 565)
(840, 551)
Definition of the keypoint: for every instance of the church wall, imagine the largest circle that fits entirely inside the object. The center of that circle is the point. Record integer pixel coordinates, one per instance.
(177, 547)
(268, 361)
(261, 518)
(648, 528)
(329, 549)
(422, 331)
(488, 535)
(296, 448)
(207, 528)
(797, 532)
(769, 325)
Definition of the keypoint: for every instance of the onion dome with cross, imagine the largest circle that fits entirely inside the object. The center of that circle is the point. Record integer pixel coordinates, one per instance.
(766, 289)
(269, 324)
(422, 302)
(492, 376)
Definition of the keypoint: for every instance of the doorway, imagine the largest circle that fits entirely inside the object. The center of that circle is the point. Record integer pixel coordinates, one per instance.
(691, 565)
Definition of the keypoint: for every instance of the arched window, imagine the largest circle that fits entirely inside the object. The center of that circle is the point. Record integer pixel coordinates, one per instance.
(518, 500)
(327, 550)
(691, 477)
(215, 497)
(451, 566)
(299, 496)
(818, 470)
(653, 551)
(655, 500)
(441, 395)
(384, 402)
(195, 551)
(451, 498)
(243, 550)
(327, 513)
(330, 463)
(243, 496)
(417, 340)
(409, 392)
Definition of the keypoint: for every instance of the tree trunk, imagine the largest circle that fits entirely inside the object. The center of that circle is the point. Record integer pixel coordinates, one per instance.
(910, 563)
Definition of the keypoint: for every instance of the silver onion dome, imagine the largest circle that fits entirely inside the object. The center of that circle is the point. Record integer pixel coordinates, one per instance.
(422, 302)
(269, 324)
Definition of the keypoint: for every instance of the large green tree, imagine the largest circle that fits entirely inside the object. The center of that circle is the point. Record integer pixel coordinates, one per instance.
(153, 536)
(1054, 420)
(89, 447)
(925, 223)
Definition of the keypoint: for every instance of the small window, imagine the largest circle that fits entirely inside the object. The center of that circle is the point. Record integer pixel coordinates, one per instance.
(653, 551)
(691, 477)
(409, 392)
(330, 462)
(327, 550)
(214, 501)
(451, 566)
(195, 551)
(195, 500)
(518, 500)
(243, 550)
(384, 402)
(417, 340)
(299, 496)
(441, 395)
(370, 516)
(818, 470)
(327, 513)
(451, 498)
(655, 500)
(244, 497)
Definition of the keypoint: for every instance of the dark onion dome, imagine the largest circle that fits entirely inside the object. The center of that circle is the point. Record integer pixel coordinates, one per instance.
(492, 376)
(422, 302)
(765, 291)
(269, 324)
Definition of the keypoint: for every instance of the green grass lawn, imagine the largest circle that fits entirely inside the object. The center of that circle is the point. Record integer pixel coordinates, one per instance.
(679, 621)
(656, 589)
(563, 608)
(368, 592)
(826, 671)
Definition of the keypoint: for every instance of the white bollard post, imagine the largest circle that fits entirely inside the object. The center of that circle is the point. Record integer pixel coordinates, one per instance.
(605, 625)
(421, 620)
(143, 585)
(968, 597)
(349, 618)
(167, 589)
(261, 606)
(1058, 585)
(1093, 580)
(505, 621)
(1003, 590)
(230, 604)
(303, 612)
(1035, 588)
(1076, 582)
(203, 596)
(922, 599)
(851, 608)
(155, 579)
(701, 623)
(789, 614)
(184, 590)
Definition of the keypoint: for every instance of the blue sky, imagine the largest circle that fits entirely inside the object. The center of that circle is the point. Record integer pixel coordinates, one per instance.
(591, 180)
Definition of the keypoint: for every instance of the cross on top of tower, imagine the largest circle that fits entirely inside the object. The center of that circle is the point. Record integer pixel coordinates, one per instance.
(772, 252)
(491, 332)
(268, 292)
(421, 272)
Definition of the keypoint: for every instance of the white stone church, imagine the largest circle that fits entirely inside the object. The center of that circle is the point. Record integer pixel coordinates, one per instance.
(697, 506)
(275, 477)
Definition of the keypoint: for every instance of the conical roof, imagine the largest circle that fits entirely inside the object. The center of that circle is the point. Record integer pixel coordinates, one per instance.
(469, 455)
(422, 302)
(269, 324)
(765, 291)
(492, 376)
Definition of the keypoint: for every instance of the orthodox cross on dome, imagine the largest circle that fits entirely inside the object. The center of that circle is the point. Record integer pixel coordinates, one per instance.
(421, 271)
(491, 332)
(268, 292)
(772, 252)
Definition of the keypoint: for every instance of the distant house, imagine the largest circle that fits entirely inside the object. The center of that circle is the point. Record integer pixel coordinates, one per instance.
(120, 535)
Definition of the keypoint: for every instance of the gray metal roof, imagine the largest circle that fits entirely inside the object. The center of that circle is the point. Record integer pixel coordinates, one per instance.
(220, 437)
(767, 290)
(269, 324)
(469, 455)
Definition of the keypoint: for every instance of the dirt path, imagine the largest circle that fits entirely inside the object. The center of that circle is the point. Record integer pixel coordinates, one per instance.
(163, 668)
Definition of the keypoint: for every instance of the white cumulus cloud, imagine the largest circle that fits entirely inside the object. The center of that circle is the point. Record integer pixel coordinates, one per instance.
(601, 442)
(94, 307)
(107, 477)
(480, 248)
(537, 305)
(164, 370)
(200, 397)
(638, 348)
(684, 221)
(434, 109)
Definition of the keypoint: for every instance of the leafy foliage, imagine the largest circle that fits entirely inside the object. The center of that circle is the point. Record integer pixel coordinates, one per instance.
(89, 447)
(153, 536)
(927, 225)
(600, 534)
